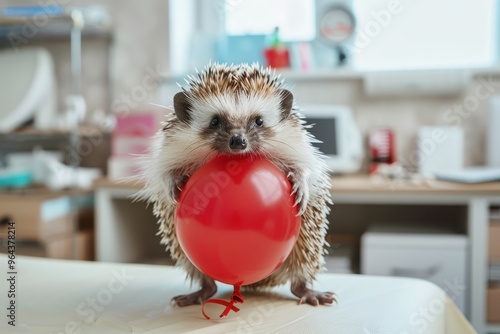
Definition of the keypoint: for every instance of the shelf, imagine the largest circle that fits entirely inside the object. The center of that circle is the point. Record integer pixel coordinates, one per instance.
(58, 30)
(337, 74)
(20, 29)
(322, 74)
(316, 74)
(349, 73)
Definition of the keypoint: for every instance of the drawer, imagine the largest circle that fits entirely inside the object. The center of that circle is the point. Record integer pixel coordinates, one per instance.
(36, 217)
(430, 264)
(442, 262)
(493, 306)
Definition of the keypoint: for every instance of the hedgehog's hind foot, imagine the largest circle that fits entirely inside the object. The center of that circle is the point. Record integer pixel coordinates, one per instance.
(312, 297)
(208, 289)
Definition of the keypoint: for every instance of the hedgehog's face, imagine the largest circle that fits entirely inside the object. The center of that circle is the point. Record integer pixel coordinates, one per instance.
(234, 124)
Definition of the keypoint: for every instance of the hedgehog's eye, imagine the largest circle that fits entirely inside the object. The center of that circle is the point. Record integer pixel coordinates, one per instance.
(259, 121)
(215, 121)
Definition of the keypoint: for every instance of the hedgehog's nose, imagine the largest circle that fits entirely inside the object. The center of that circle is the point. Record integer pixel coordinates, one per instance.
(237, 142)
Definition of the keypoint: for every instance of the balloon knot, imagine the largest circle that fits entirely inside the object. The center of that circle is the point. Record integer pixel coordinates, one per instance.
(236, 297)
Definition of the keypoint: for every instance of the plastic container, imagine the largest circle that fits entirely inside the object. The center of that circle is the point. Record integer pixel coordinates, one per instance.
(15, 178)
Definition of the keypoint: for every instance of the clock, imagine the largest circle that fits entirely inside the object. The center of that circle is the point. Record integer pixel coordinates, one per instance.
(336, 27)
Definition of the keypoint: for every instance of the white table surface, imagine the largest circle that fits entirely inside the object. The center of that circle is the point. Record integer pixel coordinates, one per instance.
(56, 296)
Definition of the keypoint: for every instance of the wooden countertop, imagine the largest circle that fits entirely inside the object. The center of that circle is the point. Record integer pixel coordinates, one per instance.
(41, 193)
(351, 184)
(379, 184)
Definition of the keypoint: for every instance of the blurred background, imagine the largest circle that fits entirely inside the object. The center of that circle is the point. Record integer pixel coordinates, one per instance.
(404, 95)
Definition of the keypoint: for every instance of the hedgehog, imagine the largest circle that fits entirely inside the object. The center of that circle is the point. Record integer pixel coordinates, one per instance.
(241, 109)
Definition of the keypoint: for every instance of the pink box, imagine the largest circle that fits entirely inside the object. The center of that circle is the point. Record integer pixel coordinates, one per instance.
(136, 125)
(133, 133)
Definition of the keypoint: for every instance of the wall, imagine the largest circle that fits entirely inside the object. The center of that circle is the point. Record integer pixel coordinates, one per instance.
(406, 114)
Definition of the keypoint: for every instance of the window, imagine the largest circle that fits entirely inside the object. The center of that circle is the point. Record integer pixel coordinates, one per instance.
(389, 34)
(424, 34)
(295, 18)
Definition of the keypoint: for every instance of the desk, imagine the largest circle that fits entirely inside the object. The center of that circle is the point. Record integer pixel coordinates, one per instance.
(117, 234)
(59, 296)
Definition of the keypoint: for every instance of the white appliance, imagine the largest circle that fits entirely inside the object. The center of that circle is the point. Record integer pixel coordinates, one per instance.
(337, 134)
(440, 148)
(27, 89)
(476, 174)
(436, 257)
(493, 134)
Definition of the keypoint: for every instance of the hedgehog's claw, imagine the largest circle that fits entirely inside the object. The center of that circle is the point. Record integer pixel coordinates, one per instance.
(312, 297)
(301, 204)
(301, 199)
(300, 190)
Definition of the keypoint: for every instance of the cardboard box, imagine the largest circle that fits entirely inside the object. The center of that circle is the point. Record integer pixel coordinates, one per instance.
(45, 224)
(79, 247)
(494, 241)
(493, 306)
(37, 217)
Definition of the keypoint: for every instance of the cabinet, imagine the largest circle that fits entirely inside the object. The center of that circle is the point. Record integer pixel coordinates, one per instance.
(430, 255)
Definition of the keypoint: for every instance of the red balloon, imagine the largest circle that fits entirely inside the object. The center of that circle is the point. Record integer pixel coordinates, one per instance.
(235, 220)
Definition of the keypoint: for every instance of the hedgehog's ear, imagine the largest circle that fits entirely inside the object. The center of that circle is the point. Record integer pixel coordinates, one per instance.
(182, 106)
(286, 102)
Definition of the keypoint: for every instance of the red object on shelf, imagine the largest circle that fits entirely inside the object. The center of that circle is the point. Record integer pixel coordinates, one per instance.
(381, 143)
(277, 57)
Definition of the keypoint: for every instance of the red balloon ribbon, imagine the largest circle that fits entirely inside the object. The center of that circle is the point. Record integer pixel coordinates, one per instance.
(236, 297)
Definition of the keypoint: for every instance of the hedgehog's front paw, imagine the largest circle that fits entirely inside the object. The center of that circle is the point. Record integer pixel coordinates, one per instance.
(316, 298)
(312, 297)
(301, 190)
(176, 187)
(197, 297)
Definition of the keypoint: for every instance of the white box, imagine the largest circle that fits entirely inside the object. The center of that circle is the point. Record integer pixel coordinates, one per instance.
(123, 167)
(338, 260)
(128, 146)
(492, 134)
(440, 148)
(439, 258)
